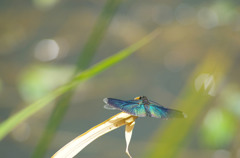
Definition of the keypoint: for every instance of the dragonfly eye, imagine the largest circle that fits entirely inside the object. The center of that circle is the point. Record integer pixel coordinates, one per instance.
(137, 98)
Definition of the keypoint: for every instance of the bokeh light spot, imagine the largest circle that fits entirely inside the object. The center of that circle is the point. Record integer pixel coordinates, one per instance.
(206, 81)
(218, 128)
(44, 4)
(47, 50)
(37, 81)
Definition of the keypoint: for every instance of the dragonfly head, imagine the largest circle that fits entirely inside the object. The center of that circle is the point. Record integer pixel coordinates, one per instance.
(143, 98)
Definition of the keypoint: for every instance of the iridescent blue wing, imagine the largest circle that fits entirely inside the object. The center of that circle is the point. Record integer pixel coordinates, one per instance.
(159, 111)
(131, 106)
(108, 107)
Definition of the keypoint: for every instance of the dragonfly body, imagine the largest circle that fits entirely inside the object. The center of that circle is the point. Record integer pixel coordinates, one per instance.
(143, 107)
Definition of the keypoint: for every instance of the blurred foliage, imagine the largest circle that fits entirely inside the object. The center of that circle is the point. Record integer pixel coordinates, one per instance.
(218, 129)
(192, 102)
(25, 113)
(39, 40)
(39, 80)
(83, 62)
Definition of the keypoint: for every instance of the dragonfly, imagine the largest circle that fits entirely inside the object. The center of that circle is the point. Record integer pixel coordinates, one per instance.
(141, 106)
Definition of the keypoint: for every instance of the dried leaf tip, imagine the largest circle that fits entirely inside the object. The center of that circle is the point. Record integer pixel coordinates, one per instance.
(76, 145)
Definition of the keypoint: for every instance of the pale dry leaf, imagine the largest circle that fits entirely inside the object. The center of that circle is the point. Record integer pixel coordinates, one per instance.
(128, 135)
(76, 145)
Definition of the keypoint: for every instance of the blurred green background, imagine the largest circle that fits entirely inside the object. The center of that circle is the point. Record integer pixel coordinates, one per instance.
(193, 66)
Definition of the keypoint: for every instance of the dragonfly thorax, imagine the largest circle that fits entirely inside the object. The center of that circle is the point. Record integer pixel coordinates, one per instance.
(144, 100)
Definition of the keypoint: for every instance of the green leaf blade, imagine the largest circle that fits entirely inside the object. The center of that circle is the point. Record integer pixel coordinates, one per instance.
(25, 113)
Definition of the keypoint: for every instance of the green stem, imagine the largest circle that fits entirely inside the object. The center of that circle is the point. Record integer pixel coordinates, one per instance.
(84, 60)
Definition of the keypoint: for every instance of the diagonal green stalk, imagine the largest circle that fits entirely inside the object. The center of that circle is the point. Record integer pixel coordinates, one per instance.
(13, 121)
(83, 62)
(52, 125)
(169, 141)
(98, 33)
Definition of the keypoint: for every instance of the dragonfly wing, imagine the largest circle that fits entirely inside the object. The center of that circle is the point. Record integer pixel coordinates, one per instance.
(131, 106)
(107, 106)
(137, 110)
(165, 113)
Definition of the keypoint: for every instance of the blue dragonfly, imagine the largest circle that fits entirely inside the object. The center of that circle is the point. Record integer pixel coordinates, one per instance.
(142, 107)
